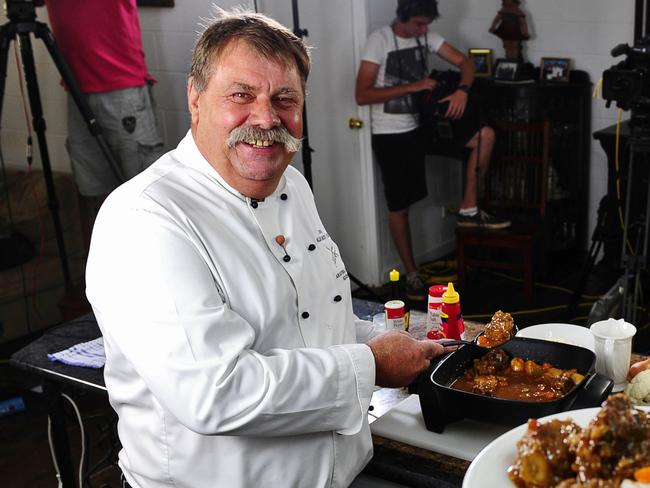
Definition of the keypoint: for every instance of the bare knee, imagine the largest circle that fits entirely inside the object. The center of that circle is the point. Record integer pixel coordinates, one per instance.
(487, 135)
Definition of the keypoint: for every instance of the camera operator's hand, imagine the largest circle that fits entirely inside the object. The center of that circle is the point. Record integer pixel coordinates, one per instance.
(426, 84)
(457, 104)
(399, 358)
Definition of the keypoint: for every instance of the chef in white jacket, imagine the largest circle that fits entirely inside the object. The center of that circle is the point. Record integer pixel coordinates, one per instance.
(233, 356)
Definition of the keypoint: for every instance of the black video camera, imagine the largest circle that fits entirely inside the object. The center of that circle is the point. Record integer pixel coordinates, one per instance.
(432, 111)
(628, 82)
(22, 10)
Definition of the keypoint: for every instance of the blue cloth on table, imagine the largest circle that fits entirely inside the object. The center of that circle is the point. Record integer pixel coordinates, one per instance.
(87, 354)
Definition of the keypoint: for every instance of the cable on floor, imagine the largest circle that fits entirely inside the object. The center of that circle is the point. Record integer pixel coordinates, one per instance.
(83, 443)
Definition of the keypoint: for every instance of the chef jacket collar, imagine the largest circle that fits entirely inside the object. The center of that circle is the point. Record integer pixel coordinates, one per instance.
(190, 156)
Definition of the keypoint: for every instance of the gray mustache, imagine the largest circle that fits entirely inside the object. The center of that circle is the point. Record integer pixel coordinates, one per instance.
(278, 134)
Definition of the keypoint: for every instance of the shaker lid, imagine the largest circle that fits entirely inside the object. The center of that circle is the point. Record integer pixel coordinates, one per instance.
(436, 291)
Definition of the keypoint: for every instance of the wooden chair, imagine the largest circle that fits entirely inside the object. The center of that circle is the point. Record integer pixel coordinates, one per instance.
(515, 185)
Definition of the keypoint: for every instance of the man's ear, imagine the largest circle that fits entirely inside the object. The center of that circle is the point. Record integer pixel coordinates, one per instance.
(193, 101)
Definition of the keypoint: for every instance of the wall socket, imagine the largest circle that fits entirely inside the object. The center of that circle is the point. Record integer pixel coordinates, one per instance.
(448, 211)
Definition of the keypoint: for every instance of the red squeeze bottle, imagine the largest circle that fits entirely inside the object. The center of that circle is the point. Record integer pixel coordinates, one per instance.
(451, 315)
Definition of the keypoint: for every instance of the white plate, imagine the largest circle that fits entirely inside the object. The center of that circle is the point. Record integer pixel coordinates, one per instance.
(567, 333)
(490, 467)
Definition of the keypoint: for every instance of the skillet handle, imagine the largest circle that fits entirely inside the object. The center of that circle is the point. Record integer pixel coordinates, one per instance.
(458, 342)
(594, 392)
(425, 376)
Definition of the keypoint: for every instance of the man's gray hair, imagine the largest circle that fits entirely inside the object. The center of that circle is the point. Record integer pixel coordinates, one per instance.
(269, 38)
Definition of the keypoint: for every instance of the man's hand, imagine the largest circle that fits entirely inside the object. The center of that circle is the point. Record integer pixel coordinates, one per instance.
(399, 358)
(457, 104)
(426, 84)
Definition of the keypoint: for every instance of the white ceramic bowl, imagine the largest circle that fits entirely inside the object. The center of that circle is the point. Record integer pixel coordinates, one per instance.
(566, 333)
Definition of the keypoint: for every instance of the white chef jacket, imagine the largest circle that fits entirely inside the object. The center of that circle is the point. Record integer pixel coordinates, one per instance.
(229, 364)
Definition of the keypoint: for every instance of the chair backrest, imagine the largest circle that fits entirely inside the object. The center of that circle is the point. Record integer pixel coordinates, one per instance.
(518, 174)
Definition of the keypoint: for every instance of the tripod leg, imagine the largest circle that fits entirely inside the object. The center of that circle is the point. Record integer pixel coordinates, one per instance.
(629, 261)
(594, 249)
(38, 123)
(43, 32)
(7, 33)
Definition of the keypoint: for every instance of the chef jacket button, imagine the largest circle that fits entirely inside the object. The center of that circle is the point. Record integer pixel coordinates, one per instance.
(283, 196)
(254, 204)
(305, 315)
(311, 247)
(338, 298)
(286, 258)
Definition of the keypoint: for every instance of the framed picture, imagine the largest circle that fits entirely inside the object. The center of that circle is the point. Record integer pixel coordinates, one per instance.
(555, 69)
(482, 59)
(506, 70)
(155, 3)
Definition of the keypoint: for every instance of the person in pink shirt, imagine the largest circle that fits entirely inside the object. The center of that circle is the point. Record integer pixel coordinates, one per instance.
(101, 42)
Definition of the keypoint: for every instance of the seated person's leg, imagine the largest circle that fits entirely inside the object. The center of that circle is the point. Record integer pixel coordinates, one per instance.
(480, 144)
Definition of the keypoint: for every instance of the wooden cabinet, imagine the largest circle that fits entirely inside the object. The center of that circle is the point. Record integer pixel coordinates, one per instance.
(567, 109)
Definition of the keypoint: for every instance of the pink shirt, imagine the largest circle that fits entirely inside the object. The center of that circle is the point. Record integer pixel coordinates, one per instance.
(101, 42)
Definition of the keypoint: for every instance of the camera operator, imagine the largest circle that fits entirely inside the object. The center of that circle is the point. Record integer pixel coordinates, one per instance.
(394, 69)
(102, 44)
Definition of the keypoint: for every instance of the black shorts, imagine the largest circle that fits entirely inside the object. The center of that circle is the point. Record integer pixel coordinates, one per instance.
(401, 161)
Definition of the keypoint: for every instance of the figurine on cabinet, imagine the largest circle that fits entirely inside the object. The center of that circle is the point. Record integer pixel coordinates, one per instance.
(510, 25)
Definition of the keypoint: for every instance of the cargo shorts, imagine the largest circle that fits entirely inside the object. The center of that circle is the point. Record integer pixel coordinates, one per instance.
(129, 127)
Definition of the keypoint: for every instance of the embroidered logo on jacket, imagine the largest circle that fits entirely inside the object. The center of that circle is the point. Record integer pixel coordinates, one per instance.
(335, 255)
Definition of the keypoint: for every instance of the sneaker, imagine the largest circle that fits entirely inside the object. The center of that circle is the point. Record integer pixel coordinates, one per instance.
(482, 219)
(416, 290)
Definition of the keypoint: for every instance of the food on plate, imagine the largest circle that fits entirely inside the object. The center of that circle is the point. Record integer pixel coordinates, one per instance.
(543, 457)
(637, 367)
(500, 329)
(499, 375)
(614, 447)
(639, 388)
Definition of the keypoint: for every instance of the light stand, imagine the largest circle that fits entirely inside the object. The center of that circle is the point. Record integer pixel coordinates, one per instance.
(306, 148)
(22, 23)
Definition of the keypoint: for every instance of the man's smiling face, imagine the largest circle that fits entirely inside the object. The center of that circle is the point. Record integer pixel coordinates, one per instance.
(246, 96)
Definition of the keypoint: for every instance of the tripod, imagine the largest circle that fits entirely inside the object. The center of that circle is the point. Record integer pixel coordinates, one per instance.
(634, 261)
(22, 23)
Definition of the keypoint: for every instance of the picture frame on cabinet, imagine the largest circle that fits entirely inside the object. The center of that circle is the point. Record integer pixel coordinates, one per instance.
(506, 69)
(555, 70)
(482, 59)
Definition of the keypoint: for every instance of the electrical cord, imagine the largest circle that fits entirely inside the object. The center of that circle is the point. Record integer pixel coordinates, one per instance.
(83, 444)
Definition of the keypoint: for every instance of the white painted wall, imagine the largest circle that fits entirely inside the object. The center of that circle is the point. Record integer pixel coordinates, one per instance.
(584, 30)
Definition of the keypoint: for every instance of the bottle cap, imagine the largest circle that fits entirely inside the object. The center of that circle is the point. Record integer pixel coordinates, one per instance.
(393, 275)
(394, 304)
(450, 295)
(436, 291)
(394, 309)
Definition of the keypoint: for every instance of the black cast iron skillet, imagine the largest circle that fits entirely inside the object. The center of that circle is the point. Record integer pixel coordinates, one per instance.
(442, 404)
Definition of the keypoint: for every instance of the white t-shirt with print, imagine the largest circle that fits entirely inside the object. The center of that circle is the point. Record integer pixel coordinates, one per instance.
(400, 61)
